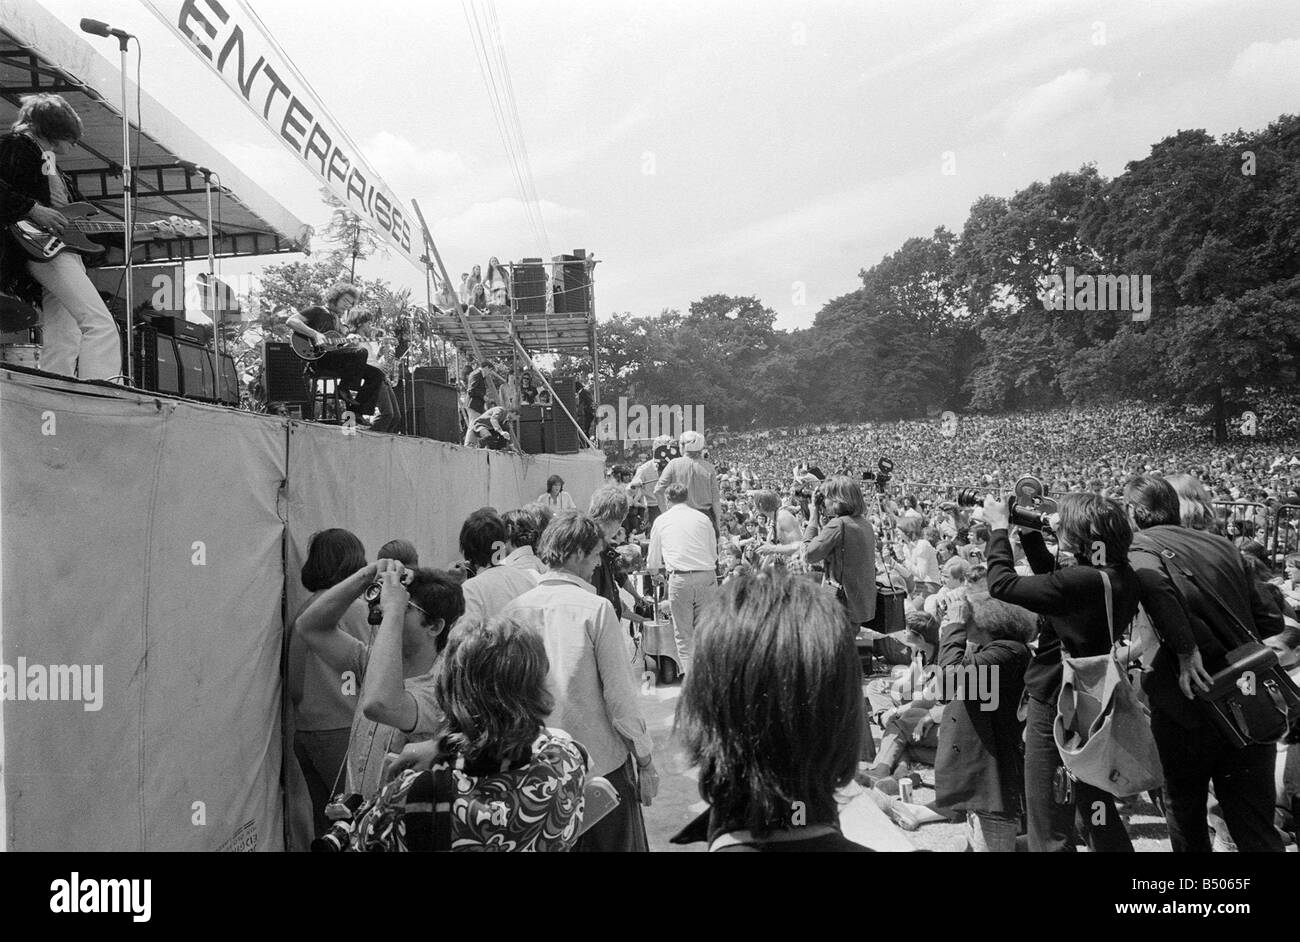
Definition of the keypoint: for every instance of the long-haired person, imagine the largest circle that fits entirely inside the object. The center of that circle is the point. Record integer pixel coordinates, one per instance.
(347, 363)
(79, 335)
(608, 507)
(591, 677)
(484, 539)
(323, 712)
(492, 689)
(771, 713)
(839, 536)
(556, 497)
(1196, 634)
(497, 282)
(524, 528)
(1195, 508)
(786, 541)
(1095, 532)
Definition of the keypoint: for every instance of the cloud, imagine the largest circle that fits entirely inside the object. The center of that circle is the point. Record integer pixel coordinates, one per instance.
(1275, 66)
(407, 166)
(1069, 98)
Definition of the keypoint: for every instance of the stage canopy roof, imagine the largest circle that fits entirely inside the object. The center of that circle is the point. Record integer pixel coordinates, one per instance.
(38, 53)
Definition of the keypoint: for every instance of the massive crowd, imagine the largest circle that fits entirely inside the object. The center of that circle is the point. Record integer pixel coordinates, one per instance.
(827, 627)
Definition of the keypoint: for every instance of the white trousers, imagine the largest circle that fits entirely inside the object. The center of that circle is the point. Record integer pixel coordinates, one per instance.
(80, 336)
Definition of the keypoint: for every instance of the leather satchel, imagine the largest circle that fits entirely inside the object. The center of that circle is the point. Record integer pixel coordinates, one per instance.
(1252, 700)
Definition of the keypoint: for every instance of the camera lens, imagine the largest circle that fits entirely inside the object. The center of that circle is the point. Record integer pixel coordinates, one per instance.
(968, 497)
(373, 592)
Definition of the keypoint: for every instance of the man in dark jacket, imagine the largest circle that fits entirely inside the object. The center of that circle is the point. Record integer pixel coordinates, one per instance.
(1199, 620)
(979, 769)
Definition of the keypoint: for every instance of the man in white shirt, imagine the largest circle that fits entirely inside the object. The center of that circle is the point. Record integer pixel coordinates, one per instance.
(485, 541)
(682, 542)
(590, 677)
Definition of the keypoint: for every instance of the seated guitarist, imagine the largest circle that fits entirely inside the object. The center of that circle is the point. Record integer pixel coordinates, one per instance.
(80, 336)
(345, 363)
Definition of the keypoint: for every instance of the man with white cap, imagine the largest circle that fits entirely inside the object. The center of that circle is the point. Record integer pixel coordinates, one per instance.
(700, 477)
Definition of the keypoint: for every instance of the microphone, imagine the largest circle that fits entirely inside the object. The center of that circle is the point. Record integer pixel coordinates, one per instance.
(192, 167)
(97, 28)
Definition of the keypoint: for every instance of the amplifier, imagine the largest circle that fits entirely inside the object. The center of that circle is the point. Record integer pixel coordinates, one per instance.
(533, 435)
(156, 367)
(229, 381)
(431, 374)
(179, 327)
(195, 361)
(437, 411)
(283, 374)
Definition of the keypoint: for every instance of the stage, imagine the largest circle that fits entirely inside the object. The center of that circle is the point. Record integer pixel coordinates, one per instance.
(149, 549)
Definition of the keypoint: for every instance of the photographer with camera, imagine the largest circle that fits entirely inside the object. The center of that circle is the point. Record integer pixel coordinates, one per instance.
(839, 536)
(414, 609)
(1072, 601)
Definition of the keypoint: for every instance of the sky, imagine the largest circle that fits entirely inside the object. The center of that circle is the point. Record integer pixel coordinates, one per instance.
(762, 148)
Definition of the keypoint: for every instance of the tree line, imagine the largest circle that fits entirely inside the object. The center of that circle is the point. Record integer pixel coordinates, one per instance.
(965, 321)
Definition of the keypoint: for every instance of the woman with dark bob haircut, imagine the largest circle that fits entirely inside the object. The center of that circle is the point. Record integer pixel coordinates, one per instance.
(323, 714)
(772, 714)
(1093, 538)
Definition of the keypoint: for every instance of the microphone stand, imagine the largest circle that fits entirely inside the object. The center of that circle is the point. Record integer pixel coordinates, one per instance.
(128, 217)
(213, 291)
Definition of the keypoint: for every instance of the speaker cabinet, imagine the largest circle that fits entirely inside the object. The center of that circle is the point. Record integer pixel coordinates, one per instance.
(571, 283)
(283, 375)
(195, 369)
(528, 287)
(229, 381)
(566, 433)
(437, 413)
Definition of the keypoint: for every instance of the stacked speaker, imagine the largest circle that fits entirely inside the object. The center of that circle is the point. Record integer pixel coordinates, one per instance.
(528, 287)
(172, 357)
(572, 284)
(437, 410)
(536, 429)
(566, 433)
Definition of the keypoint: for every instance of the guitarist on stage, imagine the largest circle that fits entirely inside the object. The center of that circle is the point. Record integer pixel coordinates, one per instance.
(80, 337)
(348, 363)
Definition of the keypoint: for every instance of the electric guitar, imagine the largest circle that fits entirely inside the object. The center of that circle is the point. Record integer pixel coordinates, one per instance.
(43, 245)
(308, 349)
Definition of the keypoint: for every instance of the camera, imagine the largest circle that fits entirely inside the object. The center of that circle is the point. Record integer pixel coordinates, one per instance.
(883, 476)
(665, 453)
(1028, 507)
(375, 591)
(342, 810)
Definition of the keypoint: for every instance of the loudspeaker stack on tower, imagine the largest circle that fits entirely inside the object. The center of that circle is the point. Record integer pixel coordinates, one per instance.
(571, 283)
(528, 287)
